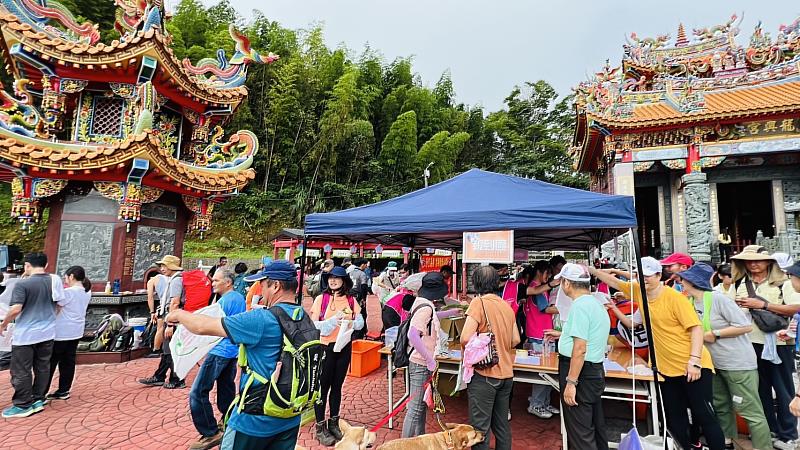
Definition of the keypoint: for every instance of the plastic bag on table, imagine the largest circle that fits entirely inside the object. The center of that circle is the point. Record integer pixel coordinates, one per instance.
(187, 348)
(344, 336)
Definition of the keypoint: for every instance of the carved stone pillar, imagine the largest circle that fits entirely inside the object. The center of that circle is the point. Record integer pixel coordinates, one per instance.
(698, 221)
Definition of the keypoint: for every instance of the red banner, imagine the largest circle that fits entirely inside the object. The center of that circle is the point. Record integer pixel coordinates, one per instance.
(432, 263)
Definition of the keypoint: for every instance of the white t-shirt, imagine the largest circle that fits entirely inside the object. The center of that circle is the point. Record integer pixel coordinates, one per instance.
(71, 320)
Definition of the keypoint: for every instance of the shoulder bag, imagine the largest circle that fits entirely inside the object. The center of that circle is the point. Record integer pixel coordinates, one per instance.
(766, 321)
(492, 358)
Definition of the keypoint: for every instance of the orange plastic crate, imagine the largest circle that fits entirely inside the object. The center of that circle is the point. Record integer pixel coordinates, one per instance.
(365, 358)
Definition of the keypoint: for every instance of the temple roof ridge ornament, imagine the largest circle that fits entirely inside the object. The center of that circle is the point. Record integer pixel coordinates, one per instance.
(222, 73)
(38, 14)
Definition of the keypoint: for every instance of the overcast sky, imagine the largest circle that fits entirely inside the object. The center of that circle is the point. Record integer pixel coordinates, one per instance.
(491, 45)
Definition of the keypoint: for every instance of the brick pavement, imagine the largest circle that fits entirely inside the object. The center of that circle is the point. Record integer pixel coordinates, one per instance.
(110, 410)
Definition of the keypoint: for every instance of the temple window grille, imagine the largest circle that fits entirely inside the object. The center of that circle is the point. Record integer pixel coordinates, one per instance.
(107, 116)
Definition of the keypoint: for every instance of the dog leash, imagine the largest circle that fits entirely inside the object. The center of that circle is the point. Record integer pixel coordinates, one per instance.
(439, 409)
(400, 407)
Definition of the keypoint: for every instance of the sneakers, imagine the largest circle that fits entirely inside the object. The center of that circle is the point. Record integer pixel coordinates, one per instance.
(151, 381)
(38, 406)
(207, 442)
(16, 411)
(57, 396)
(180, 384)
(785, 445)
(540, 412)
(333, 428)
(553, 410)
(323, 435)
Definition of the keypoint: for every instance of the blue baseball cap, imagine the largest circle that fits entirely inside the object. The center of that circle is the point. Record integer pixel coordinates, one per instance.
(278, 270)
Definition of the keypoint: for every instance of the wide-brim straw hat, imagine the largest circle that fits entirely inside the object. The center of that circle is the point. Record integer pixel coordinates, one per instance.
(756, 253)
(170, 262)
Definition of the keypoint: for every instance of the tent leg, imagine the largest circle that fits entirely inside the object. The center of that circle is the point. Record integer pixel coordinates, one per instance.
(646, 313)
(302, 271)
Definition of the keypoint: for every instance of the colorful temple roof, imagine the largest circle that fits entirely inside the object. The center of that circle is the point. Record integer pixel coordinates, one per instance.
(127, 112)
(706, 80)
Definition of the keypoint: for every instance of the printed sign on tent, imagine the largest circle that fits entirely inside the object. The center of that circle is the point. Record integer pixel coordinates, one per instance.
(489, 247)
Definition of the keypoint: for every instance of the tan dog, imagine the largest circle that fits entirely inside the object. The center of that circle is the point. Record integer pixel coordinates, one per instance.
(354, 438)
(463, 436)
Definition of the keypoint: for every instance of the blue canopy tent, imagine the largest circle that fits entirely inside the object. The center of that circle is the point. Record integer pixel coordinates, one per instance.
(542, 215)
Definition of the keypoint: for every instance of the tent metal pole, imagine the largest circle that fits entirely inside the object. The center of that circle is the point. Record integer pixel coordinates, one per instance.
(646, 308)
(302, 270)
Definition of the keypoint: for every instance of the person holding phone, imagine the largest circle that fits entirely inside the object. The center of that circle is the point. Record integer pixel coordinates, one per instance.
(755, 270)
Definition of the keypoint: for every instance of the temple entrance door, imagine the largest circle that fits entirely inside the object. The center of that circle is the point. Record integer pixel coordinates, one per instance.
(647, 217)
(745, 208)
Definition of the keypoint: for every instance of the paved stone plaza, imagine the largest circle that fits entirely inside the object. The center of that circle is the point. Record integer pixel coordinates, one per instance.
(110, 410)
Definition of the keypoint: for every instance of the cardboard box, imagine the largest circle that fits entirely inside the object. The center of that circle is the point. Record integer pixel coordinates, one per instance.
(453, 326)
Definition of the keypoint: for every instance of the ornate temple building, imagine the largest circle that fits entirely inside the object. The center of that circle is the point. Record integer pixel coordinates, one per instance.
(121, 141)
(704, 131)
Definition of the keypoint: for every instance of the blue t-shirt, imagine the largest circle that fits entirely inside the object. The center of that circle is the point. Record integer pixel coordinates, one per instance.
(232, 303)
(261, 335)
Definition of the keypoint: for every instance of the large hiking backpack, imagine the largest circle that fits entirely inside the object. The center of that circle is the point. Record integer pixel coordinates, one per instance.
(401, 352)
(105, 336)
(124, 340)
(196, 290)
(295, 385)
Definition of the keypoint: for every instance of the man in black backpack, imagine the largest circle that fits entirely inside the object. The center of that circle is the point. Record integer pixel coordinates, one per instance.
(261, 334)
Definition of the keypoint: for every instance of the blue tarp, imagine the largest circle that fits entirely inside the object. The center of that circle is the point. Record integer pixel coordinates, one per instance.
(542, 215)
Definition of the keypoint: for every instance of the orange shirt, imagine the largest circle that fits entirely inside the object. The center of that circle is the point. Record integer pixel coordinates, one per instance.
(335, 304)
(503, 321)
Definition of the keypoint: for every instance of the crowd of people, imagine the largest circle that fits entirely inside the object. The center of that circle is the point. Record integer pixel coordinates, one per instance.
(723, 341)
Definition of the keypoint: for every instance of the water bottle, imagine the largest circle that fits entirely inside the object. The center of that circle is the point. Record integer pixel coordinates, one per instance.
(115, 289)
(108, 287)
(795, 320)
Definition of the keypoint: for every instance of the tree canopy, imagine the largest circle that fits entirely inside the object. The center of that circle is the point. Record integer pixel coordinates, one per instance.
(340, 127)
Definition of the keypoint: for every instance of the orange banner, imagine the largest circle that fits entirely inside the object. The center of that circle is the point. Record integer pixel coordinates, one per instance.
(489, 247)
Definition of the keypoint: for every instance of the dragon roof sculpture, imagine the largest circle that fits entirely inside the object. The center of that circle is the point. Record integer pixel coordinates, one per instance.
(657, 82)
(224, 73)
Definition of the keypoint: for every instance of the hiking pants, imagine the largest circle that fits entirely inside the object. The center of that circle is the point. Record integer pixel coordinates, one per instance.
(488, 409)
(223, 372)
(778, 378)
(414, 423)
(585, 422)
(334, 371)
(63, 358)
(680, 395)
(24, 358)
(164, 365)
(737, 391)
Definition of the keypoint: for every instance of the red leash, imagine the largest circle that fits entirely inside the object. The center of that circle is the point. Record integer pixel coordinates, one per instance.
(400, 407)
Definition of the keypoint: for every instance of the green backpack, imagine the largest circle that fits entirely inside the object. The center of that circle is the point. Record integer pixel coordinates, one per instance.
(294, 386)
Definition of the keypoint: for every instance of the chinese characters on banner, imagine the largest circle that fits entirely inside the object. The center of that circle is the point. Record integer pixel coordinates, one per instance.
(432, 263)
(489, 247)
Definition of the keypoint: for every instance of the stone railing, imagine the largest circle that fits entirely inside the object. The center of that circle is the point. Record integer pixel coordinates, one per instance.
(785, 242)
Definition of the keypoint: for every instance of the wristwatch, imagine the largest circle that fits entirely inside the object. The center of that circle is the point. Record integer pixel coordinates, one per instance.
(716, 333)
(572, 382)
